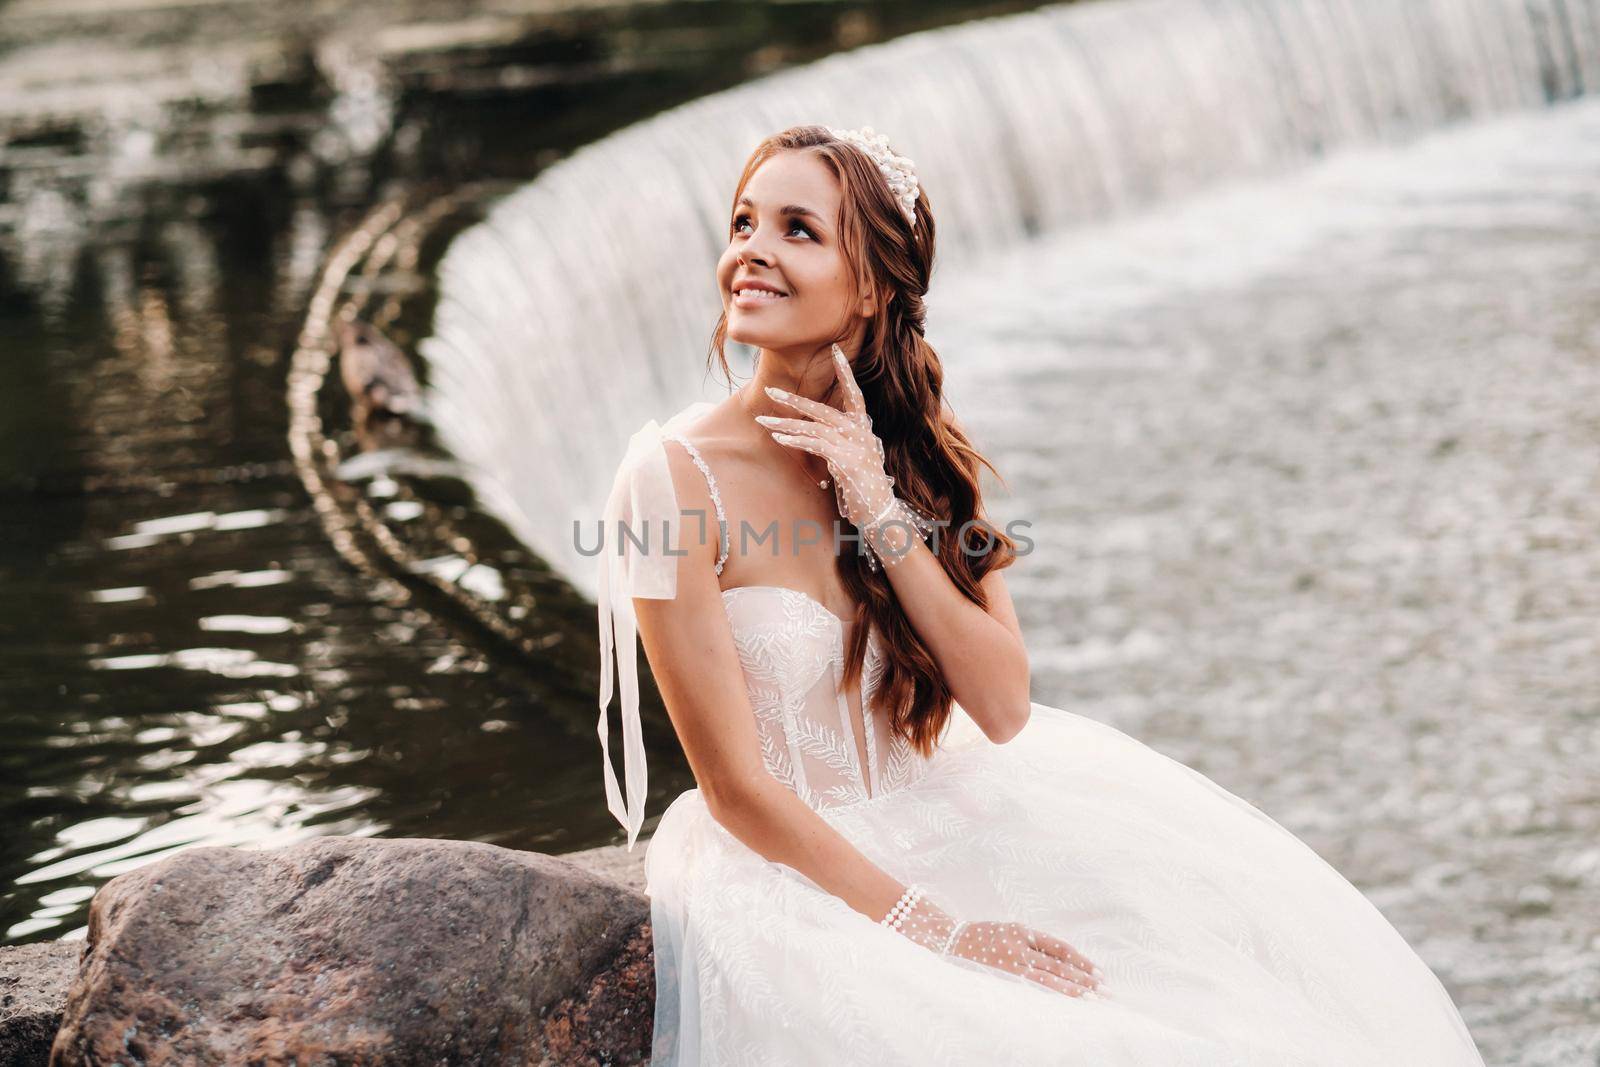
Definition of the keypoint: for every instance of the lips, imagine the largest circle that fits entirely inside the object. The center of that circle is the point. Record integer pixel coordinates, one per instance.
(754, 296)
(750, 283)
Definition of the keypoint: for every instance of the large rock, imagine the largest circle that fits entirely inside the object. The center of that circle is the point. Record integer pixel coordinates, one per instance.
(362, 951)
(34, 980)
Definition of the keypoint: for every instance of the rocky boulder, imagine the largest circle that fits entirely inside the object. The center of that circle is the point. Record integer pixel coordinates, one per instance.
(34, 980)
(362, 951)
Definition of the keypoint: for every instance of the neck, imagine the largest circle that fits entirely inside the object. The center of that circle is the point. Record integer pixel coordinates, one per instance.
(810, 376)
(814, 380)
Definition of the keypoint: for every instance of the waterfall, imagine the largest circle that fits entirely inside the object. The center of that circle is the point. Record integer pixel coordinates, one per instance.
(584, 303)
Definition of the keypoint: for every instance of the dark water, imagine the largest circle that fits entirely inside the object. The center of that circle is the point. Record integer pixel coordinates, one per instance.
(190, 652)
(1312, 463)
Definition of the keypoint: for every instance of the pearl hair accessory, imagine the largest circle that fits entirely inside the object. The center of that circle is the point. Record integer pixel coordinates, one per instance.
(898, 171)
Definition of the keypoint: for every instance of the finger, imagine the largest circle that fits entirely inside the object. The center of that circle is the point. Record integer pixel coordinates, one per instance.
(1070, 971)
(1053, 981)
(853, 399)
(821, 412)
(1062, 951)
(808, 444)
(796, 426)
(804, 431)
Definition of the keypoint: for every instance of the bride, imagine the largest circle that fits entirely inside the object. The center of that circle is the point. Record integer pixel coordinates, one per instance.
(893, 855)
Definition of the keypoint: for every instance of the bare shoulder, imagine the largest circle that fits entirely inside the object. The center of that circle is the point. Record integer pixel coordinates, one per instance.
(723, 442)
(697, 511)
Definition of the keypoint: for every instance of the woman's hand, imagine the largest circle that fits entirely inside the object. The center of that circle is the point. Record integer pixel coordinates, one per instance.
(1005, 946)
(1033, 954)
(854, 454)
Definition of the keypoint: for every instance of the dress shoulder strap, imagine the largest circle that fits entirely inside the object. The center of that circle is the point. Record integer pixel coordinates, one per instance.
(723, 539)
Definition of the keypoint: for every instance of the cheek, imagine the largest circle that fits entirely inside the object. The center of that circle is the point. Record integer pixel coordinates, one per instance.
(830, 278)
(830, 287)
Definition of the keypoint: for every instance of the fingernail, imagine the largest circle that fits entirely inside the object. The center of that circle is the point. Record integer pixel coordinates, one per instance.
(773, 390)
(765, 420)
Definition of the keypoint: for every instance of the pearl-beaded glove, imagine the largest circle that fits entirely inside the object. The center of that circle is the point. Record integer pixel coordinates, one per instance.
(864, 489)
(1005, 946)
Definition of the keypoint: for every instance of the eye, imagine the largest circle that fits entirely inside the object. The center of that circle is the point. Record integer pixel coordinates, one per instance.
(744, 217)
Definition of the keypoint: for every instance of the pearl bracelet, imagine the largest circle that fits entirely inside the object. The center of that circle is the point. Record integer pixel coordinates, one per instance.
(903, 906)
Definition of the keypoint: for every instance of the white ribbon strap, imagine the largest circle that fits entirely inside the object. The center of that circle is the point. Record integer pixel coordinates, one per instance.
(641, 521)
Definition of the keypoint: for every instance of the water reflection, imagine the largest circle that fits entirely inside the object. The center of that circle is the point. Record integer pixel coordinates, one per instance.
(1220, 417)
(186, 656)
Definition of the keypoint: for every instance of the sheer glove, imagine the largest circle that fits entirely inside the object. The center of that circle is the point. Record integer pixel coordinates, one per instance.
(1005, 946)
(864, 489)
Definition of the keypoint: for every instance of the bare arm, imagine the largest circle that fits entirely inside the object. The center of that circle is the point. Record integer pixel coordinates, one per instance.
(689, 642)
(980, 652)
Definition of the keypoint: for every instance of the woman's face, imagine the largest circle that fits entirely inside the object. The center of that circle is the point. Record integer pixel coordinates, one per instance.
(796, 252)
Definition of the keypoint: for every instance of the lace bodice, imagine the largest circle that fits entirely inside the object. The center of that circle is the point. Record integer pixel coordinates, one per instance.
(820, 741)
(823, 743)
(815, 738)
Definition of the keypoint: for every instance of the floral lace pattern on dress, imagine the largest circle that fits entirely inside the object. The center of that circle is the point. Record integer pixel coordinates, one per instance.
(812, 733)
(792, 651)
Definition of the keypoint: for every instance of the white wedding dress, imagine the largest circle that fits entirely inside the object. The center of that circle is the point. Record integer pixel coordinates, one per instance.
(1222, 938)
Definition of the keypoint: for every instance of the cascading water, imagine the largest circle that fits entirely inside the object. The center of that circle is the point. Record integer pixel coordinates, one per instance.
(584, 303)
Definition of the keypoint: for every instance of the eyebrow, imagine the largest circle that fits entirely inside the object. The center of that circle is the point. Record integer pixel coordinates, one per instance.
(788, 209)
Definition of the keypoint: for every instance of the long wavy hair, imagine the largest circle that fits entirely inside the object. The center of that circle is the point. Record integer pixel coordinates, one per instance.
(934, 465)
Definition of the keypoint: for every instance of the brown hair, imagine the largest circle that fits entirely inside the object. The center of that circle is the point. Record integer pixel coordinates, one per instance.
(933, 464)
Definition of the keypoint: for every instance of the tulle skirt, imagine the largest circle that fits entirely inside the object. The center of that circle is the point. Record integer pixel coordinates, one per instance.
(1222, 938)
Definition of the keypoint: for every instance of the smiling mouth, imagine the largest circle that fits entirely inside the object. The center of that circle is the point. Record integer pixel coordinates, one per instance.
(749, 297)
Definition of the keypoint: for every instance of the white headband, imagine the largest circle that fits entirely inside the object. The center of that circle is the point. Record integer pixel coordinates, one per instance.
(898, 171)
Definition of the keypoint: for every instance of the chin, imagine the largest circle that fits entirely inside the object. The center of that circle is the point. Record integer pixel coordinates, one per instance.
(759, 338)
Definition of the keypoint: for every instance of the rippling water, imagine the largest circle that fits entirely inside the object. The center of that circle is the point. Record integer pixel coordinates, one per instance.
(185, 658)
(1311, 466)
(1313, 471)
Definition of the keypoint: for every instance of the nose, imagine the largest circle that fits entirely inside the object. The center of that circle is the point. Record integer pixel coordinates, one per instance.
(754, 249)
